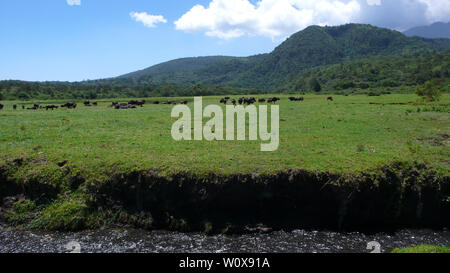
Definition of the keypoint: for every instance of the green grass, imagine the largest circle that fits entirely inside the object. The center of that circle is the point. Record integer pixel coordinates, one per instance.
(424, 249)
(349, 134)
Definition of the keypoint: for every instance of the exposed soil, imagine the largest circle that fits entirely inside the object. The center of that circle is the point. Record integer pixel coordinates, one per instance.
(388, 198)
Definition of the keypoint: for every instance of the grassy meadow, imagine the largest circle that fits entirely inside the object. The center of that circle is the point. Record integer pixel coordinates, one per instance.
(91, 167)
(354, 133)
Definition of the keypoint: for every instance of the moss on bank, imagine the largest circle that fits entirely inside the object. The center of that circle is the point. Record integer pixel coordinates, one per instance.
(423, 249)
(395, 196)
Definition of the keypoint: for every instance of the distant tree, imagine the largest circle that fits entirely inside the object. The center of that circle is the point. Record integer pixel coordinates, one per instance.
(23, 95)
(92, 95)
(315, 85)
(429, 91)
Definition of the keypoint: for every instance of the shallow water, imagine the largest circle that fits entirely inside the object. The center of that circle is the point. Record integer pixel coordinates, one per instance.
(139, 241)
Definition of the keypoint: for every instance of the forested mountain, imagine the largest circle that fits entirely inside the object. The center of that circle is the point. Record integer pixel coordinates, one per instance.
(314, 46)
(179, 70)
(436, 30)
(331, 57)
(383, 72)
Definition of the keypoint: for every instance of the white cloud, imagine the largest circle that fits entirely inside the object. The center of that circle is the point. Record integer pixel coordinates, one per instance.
(74, 2)
(147, 19)
(234, 18)
(404, 14)
(227, 19)
(437, 10)
(374, 2)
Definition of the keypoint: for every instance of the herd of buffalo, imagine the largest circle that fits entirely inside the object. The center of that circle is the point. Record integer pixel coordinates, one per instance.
(248, 101)
(253, 100)
(140, 103)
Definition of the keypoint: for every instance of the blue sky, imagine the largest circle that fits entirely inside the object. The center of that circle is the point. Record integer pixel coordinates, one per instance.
(72, 40)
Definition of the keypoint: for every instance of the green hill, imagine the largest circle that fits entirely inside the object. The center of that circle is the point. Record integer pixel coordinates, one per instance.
(314, 46)
(385, 72)
(179, 70)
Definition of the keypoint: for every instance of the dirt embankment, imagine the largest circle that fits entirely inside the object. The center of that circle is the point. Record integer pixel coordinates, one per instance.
(395, 196)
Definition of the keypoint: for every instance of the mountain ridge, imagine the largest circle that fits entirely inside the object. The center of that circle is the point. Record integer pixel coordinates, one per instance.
(433, 31)
(311, 47)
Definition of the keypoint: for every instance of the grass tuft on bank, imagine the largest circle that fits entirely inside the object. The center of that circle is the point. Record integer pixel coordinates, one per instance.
(423, 249)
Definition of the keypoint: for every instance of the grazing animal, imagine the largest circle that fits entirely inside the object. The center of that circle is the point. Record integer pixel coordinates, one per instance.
(23, 107)
(35, 107)
(184, 102)
(249, 101)
(52, 107)
(125, 106)
(156, 102)
(273, 100)
(330, 99)
(137, 103)
(261, 100)
(69, 105)
(87, 103)
(296, 99)
(1, 106)
(233, 101)
(15, 106)
(95, 103)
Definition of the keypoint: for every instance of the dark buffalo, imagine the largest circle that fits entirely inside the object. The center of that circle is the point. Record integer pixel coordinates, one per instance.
(249, 101)
(330, 99)
(1, 106)
(156, 102)
(23, 107)
(273, 100)
(51, 107)
(69, 105)
(125, 106)
(137, 102)
(262, 100)
(184, 102)
(35, 107)
(15, 106)
(296, 99)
